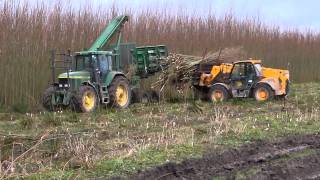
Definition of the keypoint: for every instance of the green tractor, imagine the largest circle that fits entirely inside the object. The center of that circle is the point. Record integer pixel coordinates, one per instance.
(97, 76)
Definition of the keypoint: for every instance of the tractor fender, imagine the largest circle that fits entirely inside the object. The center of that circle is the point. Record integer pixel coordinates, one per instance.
(111, 75)
(273, 83)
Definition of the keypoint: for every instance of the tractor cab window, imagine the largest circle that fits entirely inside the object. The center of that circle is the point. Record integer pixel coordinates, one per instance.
(82, 63)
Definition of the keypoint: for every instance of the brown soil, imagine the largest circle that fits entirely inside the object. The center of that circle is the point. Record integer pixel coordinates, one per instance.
(295, 157)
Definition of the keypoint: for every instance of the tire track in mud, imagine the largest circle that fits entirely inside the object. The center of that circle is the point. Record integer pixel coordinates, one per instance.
(294, 157)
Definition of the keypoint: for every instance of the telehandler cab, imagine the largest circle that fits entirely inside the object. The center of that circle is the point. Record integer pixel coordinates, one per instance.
(241, 79)
(97, 76)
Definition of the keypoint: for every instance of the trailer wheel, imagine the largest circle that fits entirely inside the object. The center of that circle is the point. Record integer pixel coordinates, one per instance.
(263, 92)
(85, 100)
(120, 92)
(47, 99)
(218, 93)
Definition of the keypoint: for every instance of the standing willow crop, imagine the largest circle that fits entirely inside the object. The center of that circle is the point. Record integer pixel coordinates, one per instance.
(28, 33)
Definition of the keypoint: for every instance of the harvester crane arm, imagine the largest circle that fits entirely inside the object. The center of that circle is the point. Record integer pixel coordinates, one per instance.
(113, 27)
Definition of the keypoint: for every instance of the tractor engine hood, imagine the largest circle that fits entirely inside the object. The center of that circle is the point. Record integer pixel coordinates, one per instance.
(83, 75)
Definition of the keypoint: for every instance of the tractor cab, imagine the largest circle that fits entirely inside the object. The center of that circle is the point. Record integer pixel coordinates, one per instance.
(243, 76)
(87, 66)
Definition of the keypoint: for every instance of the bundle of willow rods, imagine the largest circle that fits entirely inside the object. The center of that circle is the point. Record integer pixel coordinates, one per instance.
(181, 67)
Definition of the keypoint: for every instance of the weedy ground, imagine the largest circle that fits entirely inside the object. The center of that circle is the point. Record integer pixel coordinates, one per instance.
(112, 142)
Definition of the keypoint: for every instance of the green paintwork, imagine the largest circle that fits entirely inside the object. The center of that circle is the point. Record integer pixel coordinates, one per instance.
(85, 53)
(84, 75)
(108, 79)
(112, 28)
(147, 60)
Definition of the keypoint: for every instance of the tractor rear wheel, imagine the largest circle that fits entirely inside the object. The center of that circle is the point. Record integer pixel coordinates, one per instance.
(218, 93)
(85, 100)
(263, 92)
(47, 99)
(120, 92)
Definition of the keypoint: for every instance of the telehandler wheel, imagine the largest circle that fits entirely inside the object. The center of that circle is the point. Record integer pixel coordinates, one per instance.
(47, 99)
(120, 92)
(85, 100)
(263, 92)
(218, 93)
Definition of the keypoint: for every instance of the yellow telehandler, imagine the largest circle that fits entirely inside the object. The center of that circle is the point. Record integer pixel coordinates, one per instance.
(242, 79)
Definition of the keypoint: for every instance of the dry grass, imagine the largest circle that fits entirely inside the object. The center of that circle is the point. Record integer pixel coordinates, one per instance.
(27, 34)
(119, 140)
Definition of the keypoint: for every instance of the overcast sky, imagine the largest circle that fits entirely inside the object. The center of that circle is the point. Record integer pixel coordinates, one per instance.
(302, 14)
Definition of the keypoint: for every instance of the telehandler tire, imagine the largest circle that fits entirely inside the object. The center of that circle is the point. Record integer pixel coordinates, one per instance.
(263, 92)
(47, 99)
(120, 92)
(218, 93)
(85, 100)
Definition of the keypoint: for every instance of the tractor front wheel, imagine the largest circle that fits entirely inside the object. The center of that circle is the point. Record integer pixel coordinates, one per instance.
(263, 92)
(120, 92)
(47, 99)
(85, 100)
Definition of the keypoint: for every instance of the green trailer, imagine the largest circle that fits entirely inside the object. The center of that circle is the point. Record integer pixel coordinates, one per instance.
(97, 76)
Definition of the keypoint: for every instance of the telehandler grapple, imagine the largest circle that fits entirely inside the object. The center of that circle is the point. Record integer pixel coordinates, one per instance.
(242, 79)
(97, 76)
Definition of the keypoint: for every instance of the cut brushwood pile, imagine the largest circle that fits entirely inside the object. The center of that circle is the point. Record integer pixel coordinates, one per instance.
(181, 68)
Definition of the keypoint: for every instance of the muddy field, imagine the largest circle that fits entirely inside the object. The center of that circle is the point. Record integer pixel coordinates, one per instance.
(295, 157)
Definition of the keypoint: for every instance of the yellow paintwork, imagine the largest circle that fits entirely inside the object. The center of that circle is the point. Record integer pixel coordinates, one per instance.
(275, 75)
(250, 61)
(206, 79)
(122, 95)
(88, 100)
(276, 78)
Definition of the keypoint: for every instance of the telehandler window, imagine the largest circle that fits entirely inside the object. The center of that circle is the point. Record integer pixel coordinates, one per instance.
(243, 70)
(238, 71)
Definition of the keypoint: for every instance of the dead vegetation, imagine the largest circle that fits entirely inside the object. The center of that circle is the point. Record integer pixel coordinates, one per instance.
(116, 143)
(27, 34)
(181, 68)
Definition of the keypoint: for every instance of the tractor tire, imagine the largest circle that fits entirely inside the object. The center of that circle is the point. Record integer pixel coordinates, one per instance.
(218, 93)
(84, 100)
(263, 92)
(120, 92)
(47, 99)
